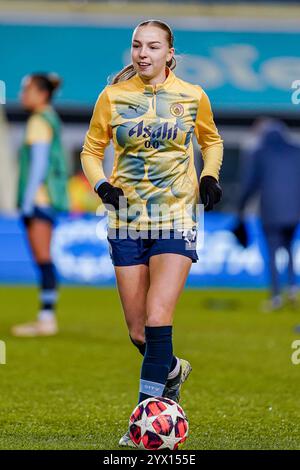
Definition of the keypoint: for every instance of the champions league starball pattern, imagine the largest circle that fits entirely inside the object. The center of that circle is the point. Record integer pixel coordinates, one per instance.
(158, 423)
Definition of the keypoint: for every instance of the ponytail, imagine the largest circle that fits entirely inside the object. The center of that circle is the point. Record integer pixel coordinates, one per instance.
(125, 74)
(48, 82)
(172, 63)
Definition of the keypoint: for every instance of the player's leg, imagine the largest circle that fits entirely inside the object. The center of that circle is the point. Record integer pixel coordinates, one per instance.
(289, 233)
(133, 285)
(39, 234)
(168, 273)
(274, 241)
(158, 358)
(130, 257)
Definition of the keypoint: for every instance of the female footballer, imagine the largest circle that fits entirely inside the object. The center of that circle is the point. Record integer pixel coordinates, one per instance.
(151, 116)
(42, 191)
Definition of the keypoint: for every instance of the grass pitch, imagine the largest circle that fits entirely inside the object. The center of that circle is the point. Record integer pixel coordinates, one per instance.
(77, 390)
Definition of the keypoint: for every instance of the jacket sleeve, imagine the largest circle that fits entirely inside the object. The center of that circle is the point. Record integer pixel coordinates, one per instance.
(208, 138)
(96, 140)
(39, 153)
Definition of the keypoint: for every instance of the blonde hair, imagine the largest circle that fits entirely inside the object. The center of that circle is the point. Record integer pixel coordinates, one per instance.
(127, 72)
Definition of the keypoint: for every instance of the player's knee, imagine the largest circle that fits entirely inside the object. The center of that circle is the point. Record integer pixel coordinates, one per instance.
(137, 337)
(160, 315)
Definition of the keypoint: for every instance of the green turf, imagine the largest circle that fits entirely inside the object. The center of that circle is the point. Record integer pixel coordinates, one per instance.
(76, 391)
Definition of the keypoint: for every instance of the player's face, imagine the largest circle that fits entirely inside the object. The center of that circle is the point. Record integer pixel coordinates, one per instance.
(31, 96)
(150, 51)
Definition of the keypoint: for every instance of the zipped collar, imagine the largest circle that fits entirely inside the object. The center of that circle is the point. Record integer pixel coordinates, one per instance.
(154, 88)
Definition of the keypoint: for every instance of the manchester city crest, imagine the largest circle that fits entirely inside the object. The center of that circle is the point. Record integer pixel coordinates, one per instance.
(176, 109)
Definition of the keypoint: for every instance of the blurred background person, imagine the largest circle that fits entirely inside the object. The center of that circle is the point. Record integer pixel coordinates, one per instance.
(8, 174)
(271, 169)
(42, 191)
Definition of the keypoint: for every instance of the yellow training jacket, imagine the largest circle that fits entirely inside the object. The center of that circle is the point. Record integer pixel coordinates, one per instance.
(151, 128)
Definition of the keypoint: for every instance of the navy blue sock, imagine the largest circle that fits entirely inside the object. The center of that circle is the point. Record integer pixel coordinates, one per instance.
(48, 286)
(157, 361)
(142, 348)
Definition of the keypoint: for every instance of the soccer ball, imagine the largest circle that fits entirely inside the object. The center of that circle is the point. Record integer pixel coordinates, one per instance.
(158, 423)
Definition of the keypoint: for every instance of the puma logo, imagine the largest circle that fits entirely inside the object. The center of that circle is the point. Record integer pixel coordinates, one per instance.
(135, 108)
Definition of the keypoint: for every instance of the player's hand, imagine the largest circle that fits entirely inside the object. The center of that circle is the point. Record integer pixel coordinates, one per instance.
(210, 192)
(110, 195)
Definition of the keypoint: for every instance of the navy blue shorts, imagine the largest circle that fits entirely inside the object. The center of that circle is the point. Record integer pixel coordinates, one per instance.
(132, 251)
(48, 214)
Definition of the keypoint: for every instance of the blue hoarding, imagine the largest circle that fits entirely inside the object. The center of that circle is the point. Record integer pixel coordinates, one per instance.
(81, 254)
(241, 70)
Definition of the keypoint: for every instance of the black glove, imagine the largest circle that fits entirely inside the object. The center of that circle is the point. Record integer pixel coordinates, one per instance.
(110, 195)
(240, 232)
(210, 192)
